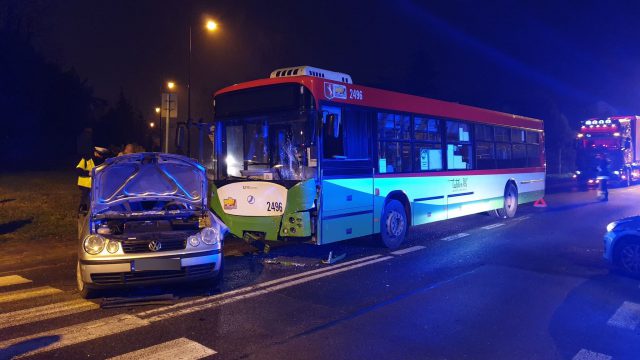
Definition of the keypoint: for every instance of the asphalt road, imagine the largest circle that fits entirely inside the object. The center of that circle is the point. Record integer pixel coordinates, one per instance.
(532, 287)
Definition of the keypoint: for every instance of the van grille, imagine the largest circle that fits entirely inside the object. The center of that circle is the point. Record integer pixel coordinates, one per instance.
(144, 276)
(136, 246)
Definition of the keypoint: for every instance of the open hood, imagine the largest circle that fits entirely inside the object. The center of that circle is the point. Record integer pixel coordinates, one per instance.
(148, 176)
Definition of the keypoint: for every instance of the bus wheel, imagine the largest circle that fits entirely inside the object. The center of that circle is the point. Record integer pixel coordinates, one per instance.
(393, 226)
(510, 205)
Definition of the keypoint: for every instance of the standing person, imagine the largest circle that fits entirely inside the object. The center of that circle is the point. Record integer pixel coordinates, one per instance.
(128, 149)
(603, 176)
(84, 167)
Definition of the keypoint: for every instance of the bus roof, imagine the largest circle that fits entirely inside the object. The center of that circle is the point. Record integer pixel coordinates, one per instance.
(326, 90)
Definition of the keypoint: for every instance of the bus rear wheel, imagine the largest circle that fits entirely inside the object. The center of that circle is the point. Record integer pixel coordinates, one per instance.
(510, 205)
(393, 226)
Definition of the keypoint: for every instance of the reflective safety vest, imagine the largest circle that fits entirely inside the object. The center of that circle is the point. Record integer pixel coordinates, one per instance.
(84, 180)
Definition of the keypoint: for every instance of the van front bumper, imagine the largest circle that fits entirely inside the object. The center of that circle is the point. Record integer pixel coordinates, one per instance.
(160, 269)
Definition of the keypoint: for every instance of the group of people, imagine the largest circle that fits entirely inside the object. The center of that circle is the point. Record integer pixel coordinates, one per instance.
(94, 159)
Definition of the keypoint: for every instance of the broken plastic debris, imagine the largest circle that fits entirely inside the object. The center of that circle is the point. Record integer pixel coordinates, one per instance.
(166, 299)
(332, 260)
(284, 262)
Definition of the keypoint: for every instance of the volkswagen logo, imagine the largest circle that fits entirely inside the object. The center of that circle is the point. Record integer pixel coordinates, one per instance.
(155, 245)
(251, 199)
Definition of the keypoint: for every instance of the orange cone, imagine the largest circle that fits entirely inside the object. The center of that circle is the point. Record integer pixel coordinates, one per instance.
(540, 203)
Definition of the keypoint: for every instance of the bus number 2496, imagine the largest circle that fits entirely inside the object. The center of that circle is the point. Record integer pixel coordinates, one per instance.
(355, 94)
(274, 206)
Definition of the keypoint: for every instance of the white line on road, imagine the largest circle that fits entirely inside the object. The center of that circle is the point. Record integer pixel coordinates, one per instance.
(492, 226)
(585, 354)
(216, 301)
(626, 317)
(46, 312)
(28, 293)
(454, 237)
(407, 250)
(13, 280)
(522, 217)
(257, 286)
(71, 335)
(183, 349)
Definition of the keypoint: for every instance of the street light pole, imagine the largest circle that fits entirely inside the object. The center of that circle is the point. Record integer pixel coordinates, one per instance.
(189, 98)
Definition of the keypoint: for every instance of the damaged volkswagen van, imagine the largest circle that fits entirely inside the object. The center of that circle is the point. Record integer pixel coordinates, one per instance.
(148, 223)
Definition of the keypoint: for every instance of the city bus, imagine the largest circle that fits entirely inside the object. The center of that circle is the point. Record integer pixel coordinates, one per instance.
(307, 155)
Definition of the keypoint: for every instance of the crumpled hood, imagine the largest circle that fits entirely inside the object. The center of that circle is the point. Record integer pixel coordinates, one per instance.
(152, 176)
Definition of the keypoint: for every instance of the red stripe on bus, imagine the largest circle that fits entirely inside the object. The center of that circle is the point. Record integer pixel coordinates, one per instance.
(463, 173)
(389, 100)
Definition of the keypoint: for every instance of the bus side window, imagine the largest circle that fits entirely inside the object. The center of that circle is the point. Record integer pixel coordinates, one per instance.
(333, 132)
(459, 154)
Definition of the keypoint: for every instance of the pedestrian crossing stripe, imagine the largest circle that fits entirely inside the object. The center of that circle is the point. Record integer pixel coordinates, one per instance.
(45, 312)
(13, 280)
(28, 294)
(182, 348)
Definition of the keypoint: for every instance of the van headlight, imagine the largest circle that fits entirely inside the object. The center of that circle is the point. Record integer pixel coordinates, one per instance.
(611, 226)
(113, 246)
(194, 240)
(210, 236)
(94, 244)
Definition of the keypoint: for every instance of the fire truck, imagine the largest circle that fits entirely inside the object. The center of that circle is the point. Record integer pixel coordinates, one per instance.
(612, 139)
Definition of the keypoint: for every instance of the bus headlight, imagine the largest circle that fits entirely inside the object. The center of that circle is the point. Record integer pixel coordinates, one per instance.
(210, 236)
(93, 244)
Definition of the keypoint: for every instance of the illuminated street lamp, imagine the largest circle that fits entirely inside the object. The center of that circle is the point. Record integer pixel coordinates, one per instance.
(211, 26)
(152, 124)
(171, 85)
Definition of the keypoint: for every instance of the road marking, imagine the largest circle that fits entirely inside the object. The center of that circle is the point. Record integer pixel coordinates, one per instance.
(217, 301)
(183, 349)
(454, 237)
(408, 250)
(258, 286)
(492, 226)
(75, 334)
(71, 335)
(626, 317)
(28, 293)
(585, 354)
(46, 312)
(13, 280)
(522, 217)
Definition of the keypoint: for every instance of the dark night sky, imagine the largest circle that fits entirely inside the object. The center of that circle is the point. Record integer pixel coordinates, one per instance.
(516, 56)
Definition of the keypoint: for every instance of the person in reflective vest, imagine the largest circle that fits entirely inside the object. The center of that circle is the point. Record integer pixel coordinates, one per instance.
(84, 167)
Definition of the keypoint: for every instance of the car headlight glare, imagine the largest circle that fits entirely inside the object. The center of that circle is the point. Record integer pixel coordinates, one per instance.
(94, 244)
(210, 236)
(193, 240)
(113, 246)
(611, 226)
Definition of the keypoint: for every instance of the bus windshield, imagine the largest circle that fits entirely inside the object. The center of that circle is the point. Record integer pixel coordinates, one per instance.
(274, 146)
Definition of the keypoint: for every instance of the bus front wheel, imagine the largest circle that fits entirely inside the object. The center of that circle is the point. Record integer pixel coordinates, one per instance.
(510, 205)
(393, 226)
